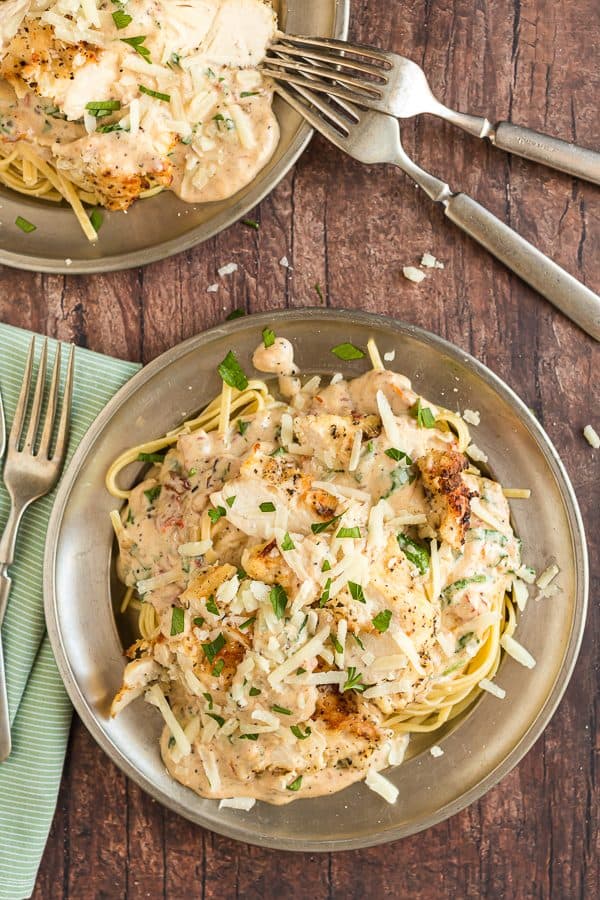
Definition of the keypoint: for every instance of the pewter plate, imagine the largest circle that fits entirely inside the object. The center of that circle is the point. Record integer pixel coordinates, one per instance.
(479, 750)
(163, 225)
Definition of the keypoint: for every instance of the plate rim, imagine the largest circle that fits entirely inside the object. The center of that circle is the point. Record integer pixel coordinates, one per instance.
(573, 643)
(201, 233)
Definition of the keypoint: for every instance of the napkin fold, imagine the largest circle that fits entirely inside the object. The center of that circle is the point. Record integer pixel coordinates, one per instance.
(40, 711)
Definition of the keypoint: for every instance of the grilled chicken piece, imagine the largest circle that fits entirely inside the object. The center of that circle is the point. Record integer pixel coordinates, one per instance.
(136, 678)
(207, 581)
(329, 438)
(441, 471)
(264, 562)
(346, 713)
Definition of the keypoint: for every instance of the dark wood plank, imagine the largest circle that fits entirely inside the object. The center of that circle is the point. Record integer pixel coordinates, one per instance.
(350, 230)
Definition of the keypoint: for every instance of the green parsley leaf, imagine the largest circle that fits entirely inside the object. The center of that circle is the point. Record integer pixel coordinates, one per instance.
(356, 591)
(215, 514)
(151, 457)
(347, 352)
(218, 719)
(248, 737)
(230, 501)
(96, 219)
(281, 710)
(326, 567)
(464, 640)
(211, 606)
(214, 647)
(325, 595)
(174, 60)
(247, 623)
(241, 574)
(354, 681)
(177, 621)
(121, 19)
(456, 586)
(249, 94)
(208, 698)
(152, 493)
(297, 732)
(336, 644)
(287, 543)
(251, 223)
(398, 455)
(199, 621)
(166, 98)
(279, 599)
(415, 552)
(300, 671)
(382, 620)
(112, 126)
(242, 426)
(267, 506)
(280, 451)
(24, 225)
(423, 415)
(319, 527)
(255, 692)
(400, 476)
(235, 314)
(353, 532)
(137, 43)
(94, 106)
(304, 621)
(171, 742)
(218, 667)
(358, 640)
(268, 337)
(296, 784)
(232, 373)
(319, 292)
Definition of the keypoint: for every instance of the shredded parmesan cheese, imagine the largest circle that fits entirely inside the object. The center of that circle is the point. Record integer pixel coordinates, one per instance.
(381, 786)
(592, 436)
(547, 576)
(486, 685)
(517, 651)
(243, 803)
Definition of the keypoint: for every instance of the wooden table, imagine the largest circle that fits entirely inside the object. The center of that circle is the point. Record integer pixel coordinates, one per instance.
(352, 229)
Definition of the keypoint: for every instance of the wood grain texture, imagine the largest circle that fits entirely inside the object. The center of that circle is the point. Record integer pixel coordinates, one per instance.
(351, 229)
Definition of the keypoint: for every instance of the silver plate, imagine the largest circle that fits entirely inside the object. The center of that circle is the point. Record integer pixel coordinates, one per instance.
(162, 225)
(490, 739)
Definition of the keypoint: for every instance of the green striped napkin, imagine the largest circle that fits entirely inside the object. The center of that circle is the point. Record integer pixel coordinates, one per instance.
(40, 711)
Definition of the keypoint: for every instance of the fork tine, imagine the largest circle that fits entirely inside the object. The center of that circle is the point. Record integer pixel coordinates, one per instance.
(20, 411)
(322, 87)
(63, 426)
(317, 121)
(370, 88)
(38, 398)
(333, 44)
(347, 62)
(52, 403)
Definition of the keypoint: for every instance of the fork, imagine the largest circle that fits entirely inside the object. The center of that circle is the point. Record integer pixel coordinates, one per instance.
(31, 470)
(372, 137)
(392, 84)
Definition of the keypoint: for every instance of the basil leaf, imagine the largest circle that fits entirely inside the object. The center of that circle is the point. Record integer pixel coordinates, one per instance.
(232, 373)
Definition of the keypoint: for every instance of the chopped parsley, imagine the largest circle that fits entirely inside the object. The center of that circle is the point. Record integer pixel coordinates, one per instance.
(24, 225)
(325, 595)
(101, 108)
(137, 43)
(177, 621)
(215, 514)
(113, 126)
(267, 506)
(218, 719)
(211, 606)
(353, 532)
(399, 476)
(356, 591)
(214, 647)
(248, 737)
(296, 784)
(166, 98)
(326, 567)
(242, 426)
(415, 552)
(121, 19)
(347, 352)
(464, 640)
(218, 667)
(336, 644)
(398, 455)
(208, 698)
(268, 337)
(235, 314)
(279, 599)
(287, 543)
(199, 621)
(251, 223)
(282, 710)
(456, 586)
(249, 94)
(280, 451)
(358, 640)
(232, 373)
(152, 493)
(230, 501)
(423, 415)
(96, 219)
(247, 623)
(319, 292)
(382, 620)
(319, 527)
(353, 681)
(255, 692)
(174, 60)
(297, 732)
(151, 457)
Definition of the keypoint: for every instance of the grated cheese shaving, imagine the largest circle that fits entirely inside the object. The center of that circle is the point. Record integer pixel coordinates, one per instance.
(517, 651)
(387, 417)
(592, 436)
(155, 696)
(381, 786)
(486, 685)
(243, 803)
(547, 576)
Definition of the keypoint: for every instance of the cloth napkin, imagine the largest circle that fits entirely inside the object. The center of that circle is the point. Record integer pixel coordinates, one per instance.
(40, 711)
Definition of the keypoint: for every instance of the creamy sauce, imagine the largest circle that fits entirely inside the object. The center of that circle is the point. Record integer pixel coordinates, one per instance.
(206, 135)
(352, 587)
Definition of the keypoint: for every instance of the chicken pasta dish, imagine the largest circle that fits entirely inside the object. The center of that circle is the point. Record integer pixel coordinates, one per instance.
(105, 101)
(320, 570)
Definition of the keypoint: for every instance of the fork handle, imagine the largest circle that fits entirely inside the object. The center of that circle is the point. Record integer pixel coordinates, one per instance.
(5, 585)
(549, 151)
(568, 294)
(5, 739)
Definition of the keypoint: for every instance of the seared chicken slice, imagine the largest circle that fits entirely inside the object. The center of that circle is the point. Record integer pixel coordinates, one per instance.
(441, 471)
(264, 562)
(136, 678)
